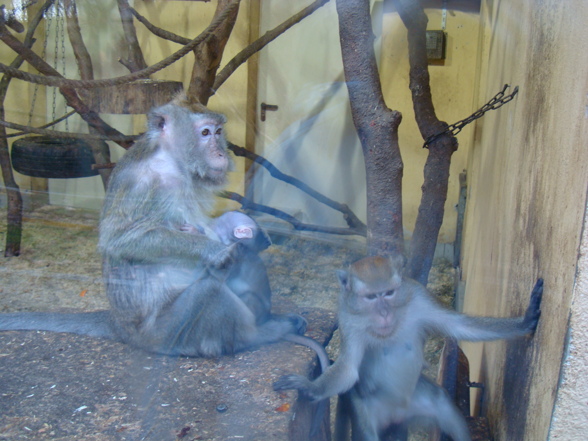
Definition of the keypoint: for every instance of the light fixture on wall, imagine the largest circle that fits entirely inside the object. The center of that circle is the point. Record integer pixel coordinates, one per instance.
(436, 45)
(436, 40)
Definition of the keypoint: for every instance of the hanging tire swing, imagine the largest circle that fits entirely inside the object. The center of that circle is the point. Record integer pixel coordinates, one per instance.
(53, 157)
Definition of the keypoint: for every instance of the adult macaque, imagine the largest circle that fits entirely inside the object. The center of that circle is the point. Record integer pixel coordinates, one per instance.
(384, 319)
(166, 288)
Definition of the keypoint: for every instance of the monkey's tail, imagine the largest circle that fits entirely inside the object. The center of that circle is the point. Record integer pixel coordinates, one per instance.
(93, 324)
(321, 353)
(312, 344)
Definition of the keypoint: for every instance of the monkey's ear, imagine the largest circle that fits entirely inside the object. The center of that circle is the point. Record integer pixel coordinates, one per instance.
(242, 232)
(156, 121)
(343, 277)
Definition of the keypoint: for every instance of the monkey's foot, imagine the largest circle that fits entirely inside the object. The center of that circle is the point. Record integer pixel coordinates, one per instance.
(292, 381)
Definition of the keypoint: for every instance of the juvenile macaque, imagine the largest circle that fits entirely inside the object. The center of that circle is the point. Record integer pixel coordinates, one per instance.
(166, 288)
(384, 319)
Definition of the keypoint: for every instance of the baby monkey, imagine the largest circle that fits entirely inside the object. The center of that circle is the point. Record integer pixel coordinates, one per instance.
(384, 319)
(247, 276)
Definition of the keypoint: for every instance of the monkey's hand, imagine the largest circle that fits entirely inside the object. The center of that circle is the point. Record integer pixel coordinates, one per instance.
(534, 309)
(298, 382)
(221, 256)
(191, 229)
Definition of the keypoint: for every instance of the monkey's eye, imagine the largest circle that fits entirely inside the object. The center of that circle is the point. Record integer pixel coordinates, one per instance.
(371, 296)
(205, 132)
(218, 131)
(389, 293)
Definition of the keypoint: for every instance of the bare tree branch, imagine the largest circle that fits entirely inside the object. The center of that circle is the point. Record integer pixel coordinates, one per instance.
(249, 205)
(74, 33)
(70, 94)
(59, 81)
(208, 55)
(376, 125)
(130, 139)
(44, 126)
(100, 149)
(14, 198)
(436, 171)
(162, 33)
(352, 220)
(135, 60)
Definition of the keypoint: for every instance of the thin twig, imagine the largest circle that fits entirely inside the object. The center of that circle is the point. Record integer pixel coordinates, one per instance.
(28, 129)
(352, 220)
(44, 126)
(300, 226)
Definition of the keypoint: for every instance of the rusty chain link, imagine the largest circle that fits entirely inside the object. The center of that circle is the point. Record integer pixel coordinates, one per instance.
(496, 102)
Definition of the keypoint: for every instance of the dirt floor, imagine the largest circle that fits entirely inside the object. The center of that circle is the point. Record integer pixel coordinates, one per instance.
(59, 269)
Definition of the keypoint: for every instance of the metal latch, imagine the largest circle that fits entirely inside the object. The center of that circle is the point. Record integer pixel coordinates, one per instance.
(267, 107)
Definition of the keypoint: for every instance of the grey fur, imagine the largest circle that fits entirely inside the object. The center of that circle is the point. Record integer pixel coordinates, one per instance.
(167, 288)
(383, 331)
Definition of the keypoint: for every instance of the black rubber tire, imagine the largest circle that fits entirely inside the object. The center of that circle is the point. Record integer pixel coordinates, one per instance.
(53, 157)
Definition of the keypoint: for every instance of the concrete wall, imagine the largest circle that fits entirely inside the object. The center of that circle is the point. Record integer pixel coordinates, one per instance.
(570, 416)
(528, 176)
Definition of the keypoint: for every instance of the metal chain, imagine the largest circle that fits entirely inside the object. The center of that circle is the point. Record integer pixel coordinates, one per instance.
(498, 101)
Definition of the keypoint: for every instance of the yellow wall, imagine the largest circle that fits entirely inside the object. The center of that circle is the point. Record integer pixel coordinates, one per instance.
(452, 85)
(528, 176)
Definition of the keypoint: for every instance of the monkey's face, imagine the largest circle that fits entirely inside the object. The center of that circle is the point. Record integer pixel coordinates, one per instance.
(196, 141)
(208, 153)
(371, 291)
(380, 311)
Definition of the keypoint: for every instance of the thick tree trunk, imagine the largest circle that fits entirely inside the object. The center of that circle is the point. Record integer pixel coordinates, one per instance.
(436, 172)
(376, 125)
(208, 55)
(135, 60)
